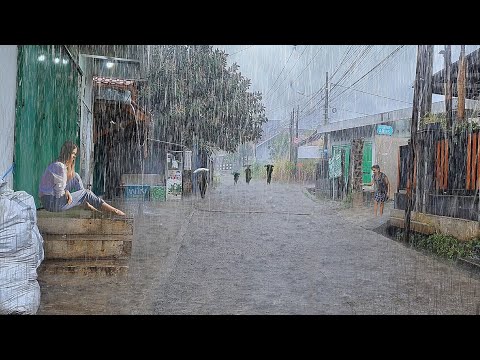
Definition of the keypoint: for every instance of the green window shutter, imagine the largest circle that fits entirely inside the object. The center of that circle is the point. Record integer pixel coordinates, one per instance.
(367, 162)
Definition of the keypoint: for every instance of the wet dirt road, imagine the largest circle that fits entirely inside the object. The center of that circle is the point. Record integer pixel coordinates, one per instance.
(263, 249)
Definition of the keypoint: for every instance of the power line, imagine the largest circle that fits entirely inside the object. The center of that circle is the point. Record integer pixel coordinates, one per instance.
(239, 51)
(306, 46)
(280, 73)
(372, 69)
(375, 68)
(349, 70)
(300, 72)
(298, 101)
(365, 92)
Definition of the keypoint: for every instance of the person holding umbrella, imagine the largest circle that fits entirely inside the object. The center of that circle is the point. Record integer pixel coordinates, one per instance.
(269, 173)
(248, 174)
(202, 180)
(236, 175)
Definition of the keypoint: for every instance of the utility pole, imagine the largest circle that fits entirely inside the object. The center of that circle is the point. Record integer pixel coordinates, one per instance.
(325, 135)
(461, 85)
(296, 144)
(420, 105)
(447, 53)
(290, 155)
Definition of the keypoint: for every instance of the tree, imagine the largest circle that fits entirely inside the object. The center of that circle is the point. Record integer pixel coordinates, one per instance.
(279, 148)
(192, 91)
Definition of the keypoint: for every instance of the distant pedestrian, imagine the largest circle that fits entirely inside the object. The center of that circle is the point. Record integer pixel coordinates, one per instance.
(269, 173)
(382, 188)
(248, 174)
(202, 183)
(236, 176)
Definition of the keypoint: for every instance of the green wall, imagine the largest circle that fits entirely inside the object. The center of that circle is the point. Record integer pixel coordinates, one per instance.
(47, 111)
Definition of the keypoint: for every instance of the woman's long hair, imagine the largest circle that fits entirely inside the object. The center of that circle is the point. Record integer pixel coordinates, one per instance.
(66, 151)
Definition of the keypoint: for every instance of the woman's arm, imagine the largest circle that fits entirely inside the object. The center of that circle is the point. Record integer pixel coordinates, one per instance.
(59, 173)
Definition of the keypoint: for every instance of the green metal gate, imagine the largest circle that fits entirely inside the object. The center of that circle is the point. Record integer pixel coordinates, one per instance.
(367, 162)
(47, 111)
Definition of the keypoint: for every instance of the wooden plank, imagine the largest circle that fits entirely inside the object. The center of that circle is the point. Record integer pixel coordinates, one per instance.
(78, 213)
(84, 249)
(445, 169)
(414, 174)
(442, 162)
(469, 160)
(64, 226)
(474, 162)
(398, 172)
(438, 167)
(478, 166)
(88, 267)
(87, 237)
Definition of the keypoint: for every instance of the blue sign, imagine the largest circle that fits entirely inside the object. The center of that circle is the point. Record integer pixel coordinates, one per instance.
(384, 130)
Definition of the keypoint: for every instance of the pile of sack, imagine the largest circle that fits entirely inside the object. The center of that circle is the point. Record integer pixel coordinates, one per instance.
(21, 252)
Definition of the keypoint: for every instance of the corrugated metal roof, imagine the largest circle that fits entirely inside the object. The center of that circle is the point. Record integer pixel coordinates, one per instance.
(472, 77)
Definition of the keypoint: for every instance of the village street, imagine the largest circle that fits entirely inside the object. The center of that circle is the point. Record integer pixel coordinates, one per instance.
(263, 249)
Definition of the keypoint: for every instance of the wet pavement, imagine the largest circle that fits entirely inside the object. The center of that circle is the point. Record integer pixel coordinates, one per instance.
(264, 249)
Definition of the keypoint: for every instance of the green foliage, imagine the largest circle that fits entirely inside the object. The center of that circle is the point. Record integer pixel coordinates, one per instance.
(430, 118)
(282, 170)
(216, 180)
(258, 171)
(441, 118)
(307, 169)
(279, 147)
(192, 91)
(466, 126)
(348, 201)
(444, 245)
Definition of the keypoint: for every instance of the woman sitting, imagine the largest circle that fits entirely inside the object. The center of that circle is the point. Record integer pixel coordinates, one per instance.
(53, 190)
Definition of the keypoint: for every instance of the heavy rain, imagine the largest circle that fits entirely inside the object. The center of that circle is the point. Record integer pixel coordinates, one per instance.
(239, 179)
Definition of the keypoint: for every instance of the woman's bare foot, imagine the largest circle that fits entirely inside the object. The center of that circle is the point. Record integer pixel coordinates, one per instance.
(113, 210)
(119, 212)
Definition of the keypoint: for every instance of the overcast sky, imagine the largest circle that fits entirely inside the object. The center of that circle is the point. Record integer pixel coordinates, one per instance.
(380, 77)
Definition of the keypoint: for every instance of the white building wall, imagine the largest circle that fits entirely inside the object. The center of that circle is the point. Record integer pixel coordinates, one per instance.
(8, 90)
(86, 122)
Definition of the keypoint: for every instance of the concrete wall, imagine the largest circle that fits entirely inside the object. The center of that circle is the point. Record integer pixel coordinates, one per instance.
(463, 230)
(386, 149)
(8, 90)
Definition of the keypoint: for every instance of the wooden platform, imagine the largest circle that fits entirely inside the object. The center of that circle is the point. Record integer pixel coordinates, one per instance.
(78, 237)
(88, 267)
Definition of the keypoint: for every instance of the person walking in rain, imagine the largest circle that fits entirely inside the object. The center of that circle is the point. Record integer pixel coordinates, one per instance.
(236, 175)
(269, 173)
(248, 174)
(202, 180)
(202, 183)
(54, 193)
(381, 189)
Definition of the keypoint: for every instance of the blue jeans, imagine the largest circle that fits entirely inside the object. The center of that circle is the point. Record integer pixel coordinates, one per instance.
(54, 204)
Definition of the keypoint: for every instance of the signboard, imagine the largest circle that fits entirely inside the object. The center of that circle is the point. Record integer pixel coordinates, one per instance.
(309, 152)
(174, 176)
(384, 130)
(335, 165)
(188, 161)
(174, 185)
